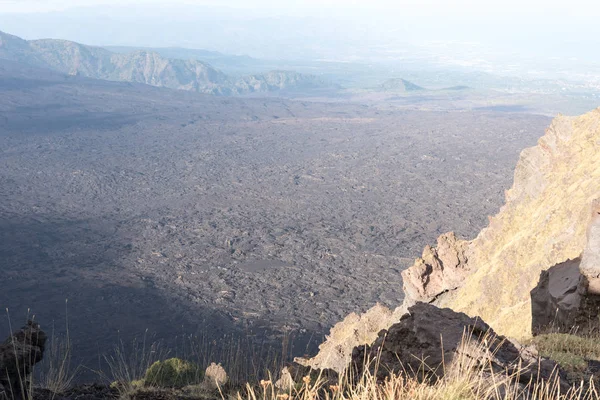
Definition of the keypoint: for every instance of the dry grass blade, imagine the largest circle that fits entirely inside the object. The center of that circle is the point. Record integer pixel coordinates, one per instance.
(465, 378)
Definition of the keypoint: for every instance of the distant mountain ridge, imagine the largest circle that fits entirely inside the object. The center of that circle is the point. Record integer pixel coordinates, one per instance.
(146, 67)
(213, 57)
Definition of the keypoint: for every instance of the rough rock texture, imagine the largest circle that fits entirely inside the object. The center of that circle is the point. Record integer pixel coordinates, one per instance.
(567, 297)
(542, 224)
(355, 330)
(439, 270)
(557, 298)
(18, 354)
(430, 342)
(590, 262)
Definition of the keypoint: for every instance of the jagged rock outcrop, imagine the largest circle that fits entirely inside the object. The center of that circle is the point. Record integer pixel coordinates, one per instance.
(439, 270)
(18, 354)
(429, 342)
(355, 330)
(542, 224)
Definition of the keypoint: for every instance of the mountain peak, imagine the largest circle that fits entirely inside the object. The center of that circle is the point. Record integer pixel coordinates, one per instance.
(399, 85)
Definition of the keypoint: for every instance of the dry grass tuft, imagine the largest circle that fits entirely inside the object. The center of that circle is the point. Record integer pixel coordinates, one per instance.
(465, 379)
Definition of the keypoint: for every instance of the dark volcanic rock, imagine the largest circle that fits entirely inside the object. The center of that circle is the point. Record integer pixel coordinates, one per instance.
(590, 261)
(567, 296)
(18, 354)
(428, 343)
(556, 299)
(561, 303)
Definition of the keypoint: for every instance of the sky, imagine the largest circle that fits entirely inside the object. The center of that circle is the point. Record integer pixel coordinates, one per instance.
(489, 8)
(484, 33)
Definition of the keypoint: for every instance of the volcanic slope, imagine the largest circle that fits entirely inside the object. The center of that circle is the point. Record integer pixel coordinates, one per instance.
(176, 211)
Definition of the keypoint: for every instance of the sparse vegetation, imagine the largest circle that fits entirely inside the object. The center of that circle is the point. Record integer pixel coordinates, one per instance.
(173, 373)
(460, 387)
(571, 352)
(56, 372)
(555, 343)
(465, 379)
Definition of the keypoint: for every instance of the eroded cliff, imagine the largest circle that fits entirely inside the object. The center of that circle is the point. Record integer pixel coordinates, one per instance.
(543, 223)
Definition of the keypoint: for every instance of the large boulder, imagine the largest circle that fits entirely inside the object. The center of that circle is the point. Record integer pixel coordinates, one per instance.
(429, 342)
(567, 296)
(590, 262)
(557, 298)
(18, 354)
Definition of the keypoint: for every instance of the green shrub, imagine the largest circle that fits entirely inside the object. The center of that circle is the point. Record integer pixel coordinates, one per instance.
(173, 373)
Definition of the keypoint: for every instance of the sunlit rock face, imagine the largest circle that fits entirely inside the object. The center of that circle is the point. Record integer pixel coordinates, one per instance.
(355, 330)
(542, 224)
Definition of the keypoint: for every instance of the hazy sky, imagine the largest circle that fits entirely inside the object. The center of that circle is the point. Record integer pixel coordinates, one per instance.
(487, 33)
(489, 8)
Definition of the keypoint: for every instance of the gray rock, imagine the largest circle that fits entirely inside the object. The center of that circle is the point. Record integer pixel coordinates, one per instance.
(590, 262)
(557, 298)
(567, 296)
(18, 354)
(428, 344)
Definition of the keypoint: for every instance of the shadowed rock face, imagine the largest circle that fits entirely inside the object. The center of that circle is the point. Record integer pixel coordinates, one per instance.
(567, 298)
(590, 263)
(18, 354)
(336, 352)
(556, 298)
